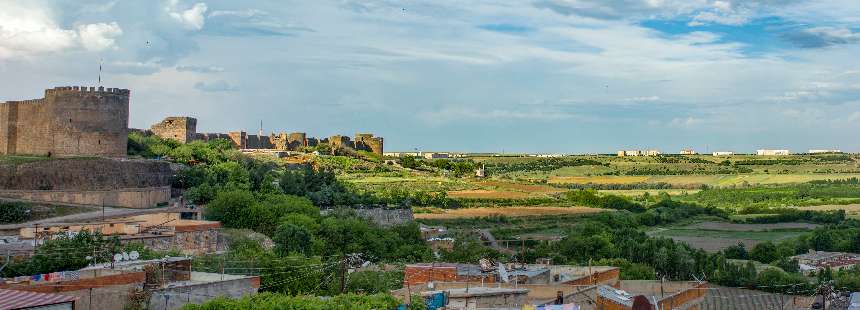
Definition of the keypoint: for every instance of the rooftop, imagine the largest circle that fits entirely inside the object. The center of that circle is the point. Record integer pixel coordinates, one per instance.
(206, 277)
(12, 299)
(821, 255)
(477, 291)
(854, 302)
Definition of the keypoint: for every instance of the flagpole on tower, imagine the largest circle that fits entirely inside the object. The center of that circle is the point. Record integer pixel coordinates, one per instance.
(101, 60)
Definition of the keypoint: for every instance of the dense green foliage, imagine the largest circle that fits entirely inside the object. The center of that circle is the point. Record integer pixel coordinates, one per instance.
(270, 301)
(14, 212)
(783, 215)
(778, 196)
(590, 198)
(374, 282)
(64, 252)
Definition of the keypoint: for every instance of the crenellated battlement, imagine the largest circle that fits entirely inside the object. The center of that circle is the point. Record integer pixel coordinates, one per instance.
(29, 101)
(69, 120)
(88, 90)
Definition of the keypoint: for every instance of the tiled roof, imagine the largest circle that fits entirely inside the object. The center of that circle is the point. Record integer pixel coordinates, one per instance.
(12, 299)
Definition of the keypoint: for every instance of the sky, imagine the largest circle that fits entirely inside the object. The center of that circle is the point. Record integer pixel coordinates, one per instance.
(547, 76)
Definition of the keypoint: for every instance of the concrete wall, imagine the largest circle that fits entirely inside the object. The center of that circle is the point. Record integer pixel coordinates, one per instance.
(176, 297)
(127, 198)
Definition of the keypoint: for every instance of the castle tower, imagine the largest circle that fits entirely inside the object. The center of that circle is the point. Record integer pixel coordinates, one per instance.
(67, 121)
(179, 128)
(367, 142)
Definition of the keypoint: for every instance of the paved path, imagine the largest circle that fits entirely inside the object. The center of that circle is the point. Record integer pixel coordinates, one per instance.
(91, 216)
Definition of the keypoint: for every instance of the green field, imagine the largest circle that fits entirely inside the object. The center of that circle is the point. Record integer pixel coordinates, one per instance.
(722, 235)
(710, 180)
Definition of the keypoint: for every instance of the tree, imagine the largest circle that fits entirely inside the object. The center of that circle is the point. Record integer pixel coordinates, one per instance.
(822, 240)
(231, 209)
(789, 265)
(409, 162)
(14, 212)
(290, 238)
(64, 252)
(738, 251)
(764, 252)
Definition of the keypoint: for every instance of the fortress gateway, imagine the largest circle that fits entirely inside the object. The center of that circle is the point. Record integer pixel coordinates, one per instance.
(69, 120)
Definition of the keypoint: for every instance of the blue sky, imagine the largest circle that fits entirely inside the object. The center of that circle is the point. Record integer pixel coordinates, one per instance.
(570, 76)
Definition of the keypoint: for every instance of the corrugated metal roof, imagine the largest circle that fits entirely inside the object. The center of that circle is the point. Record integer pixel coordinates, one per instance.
(618, 296)
(12, 299)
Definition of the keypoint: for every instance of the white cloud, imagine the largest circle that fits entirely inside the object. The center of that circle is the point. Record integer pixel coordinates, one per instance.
(724, 18)
(724, 6)
(465, 113)
(243, 13)
(29, 31)
(193, 18)
(685, 122)
(199, 69)
(643, 99)
(101, 36)
(131, 67)
(216, 86)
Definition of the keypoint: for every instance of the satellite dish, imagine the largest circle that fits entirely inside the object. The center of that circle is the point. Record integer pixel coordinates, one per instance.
(134, 255)
(117, 257)
(125, 256)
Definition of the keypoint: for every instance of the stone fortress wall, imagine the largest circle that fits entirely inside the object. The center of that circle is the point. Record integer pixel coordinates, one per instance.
(71, 120)
(89, 181)
(184, 130)
(86, 130)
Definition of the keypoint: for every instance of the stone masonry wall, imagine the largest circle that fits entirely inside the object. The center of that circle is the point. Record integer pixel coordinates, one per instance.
(67, 121)
(85, 174)
(182, 129)
(89, 181)
(126, 198)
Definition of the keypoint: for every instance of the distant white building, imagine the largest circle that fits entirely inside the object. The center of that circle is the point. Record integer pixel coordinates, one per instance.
(630, 153)
(724, 153)
(433, 155)
(824, 151)
(652, 152)
(688, 152)
(402, 154)
(772, 152)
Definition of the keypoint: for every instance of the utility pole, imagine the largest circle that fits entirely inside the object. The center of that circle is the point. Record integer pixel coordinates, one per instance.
(343, 273)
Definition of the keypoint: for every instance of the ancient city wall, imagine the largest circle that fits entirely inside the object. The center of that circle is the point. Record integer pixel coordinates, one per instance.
(126, 198)
(85, 174)
(182, 129)
(67, 121)
(89, 181)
